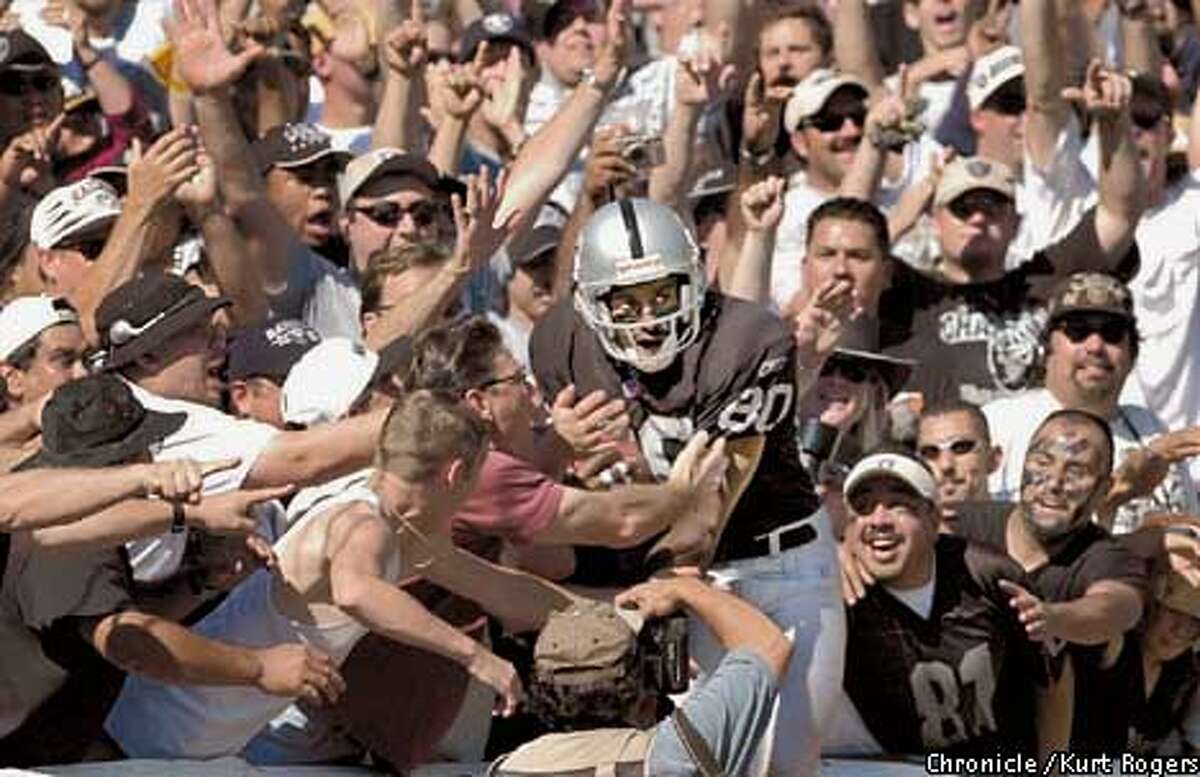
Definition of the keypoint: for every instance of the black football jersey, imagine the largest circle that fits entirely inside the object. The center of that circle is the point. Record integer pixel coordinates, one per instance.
(961, 681)
(736, 380)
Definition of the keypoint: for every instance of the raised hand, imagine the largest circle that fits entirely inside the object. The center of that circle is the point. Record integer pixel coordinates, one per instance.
(1037, 616)
(1105, 93)
(295, 670)
(202, 60)
(199, 193)
(701, 465)
(760, 120)
(231, 512)
(819, 324)
(407, 46)
(179, 480)
(504, 108)
(156, 173)
(29, 156)
(701, 75)
(65, 14)
(591, 425)
(474, 219)
(611, 58)
(606, 167)
(762, 205)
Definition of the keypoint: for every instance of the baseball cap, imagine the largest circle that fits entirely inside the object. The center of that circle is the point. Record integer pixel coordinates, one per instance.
(993, 71)
(562, 13)
(293, 144)
(494, 28)
(1090, 292)
(75, 96)
(269, 351)
(141, 314)
(1148, 87)
(969, 173)
(1179, 594)
(96, 422)
(21, 51)
(380, 161)
(534, 247)
(810, 95)
(585, 654)
(27, 317)
(860, 341)
(897, 466)
(73, 210)
(327, 381)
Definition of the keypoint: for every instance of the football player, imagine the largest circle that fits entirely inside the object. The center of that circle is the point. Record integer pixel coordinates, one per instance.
(936, 659)
(643, 325)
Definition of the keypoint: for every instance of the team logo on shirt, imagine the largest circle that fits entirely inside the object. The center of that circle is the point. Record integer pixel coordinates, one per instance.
(1012, 342)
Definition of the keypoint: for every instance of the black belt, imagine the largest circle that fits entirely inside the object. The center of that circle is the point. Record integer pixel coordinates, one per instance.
(776, 541)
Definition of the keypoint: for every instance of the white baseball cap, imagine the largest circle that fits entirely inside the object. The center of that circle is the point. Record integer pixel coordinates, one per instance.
(73, 210)
(992, 71)
(381, 161)
(810, 95)
(27, 317)
(896, 466)
(966, 173)
(327, 381)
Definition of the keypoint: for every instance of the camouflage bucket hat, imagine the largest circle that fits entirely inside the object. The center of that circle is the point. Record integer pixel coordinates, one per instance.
(585, 665)
(1091, 292)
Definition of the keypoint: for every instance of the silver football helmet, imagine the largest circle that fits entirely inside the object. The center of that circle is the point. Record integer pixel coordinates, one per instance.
(627, 243)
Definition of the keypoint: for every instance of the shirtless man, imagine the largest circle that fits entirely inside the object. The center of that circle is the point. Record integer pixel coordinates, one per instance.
(338, 569)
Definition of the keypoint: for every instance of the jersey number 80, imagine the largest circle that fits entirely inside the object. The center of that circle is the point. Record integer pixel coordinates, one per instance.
(757, 409)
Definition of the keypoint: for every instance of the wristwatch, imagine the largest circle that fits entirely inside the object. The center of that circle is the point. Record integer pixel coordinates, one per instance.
(178, 518)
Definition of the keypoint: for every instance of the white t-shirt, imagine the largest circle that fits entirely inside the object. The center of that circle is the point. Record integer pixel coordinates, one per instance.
(1013, 420)
(206, 435)
(356, 140)
(1165, 297)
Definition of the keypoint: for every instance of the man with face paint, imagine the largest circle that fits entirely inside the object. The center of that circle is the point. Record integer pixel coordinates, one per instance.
(936, 660)
(1087, 589)
(1090, 345)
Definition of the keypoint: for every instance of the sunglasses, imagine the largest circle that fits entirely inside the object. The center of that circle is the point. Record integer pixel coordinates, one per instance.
(1006, 103)
(389, 214)
(91, 249)
(832, 121)
(959, 447)
(988, 203)
(13, 85)
(853, 371)
(1112, 329)
(1147, 120)
(520, 377)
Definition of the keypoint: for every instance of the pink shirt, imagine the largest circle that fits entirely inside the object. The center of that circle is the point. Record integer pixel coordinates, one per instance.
(513, 502)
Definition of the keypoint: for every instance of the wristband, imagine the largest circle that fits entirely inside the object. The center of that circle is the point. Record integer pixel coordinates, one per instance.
(178, 518)
(758, 160)
(88, 65)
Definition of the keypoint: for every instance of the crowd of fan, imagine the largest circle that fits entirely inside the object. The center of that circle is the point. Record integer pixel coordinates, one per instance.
(356, 353)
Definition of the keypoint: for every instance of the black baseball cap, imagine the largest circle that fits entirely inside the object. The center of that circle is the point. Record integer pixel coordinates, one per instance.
(534, 247)
(97, 422)
(294, 144)
(269, 351)
(495, 28)
(141, 314)
(562, 13)
(1151, 88)
(21, 51)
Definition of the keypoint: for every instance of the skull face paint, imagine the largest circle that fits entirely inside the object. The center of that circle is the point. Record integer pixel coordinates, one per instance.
(1064, 473)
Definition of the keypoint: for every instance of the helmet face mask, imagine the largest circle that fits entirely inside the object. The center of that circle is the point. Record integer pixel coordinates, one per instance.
(633, 244)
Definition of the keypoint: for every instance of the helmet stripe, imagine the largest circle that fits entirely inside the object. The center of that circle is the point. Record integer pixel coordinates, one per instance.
(631, 229)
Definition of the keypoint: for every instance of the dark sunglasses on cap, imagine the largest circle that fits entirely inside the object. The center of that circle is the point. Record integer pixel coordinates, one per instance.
(389, 214)
(1080, 326)
(17, 85)
(91, 249)
(960, 447)
(1006, 102)
(984, 201)
(832, 121)
(849, 369)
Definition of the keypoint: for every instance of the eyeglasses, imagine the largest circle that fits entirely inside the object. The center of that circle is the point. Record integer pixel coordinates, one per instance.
(1006, 103)
(960, 447)
(983, 201)
(853, 371)
(520, 377)
(1112, 329)
(1147, 120)
(14, 85)
(91, 249)
(389, 214)
(832, 121)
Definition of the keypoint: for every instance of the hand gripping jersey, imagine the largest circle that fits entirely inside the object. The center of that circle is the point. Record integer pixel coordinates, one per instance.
(736, 380)
(960, 681)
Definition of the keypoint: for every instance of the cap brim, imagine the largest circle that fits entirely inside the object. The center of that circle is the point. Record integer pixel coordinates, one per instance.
(1059, 315)
(954, 193)
(155, 426)
(401, 164)
(344, 156)
(895, 371)
(158, 334)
